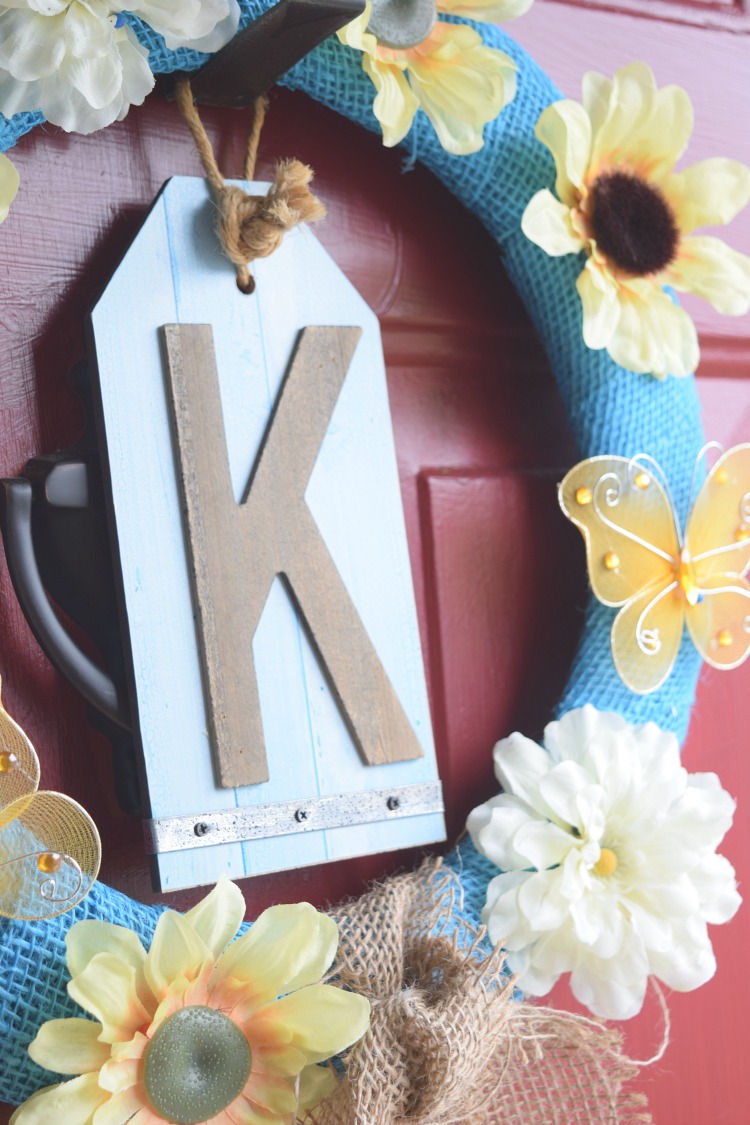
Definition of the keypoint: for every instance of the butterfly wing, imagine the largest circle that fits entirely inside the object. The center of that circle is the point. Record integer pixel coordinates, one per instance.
(720, 623)
(629, 529)
(49, 856)
(49, 846)
(718, 530)
(19, 766)
(646, 636)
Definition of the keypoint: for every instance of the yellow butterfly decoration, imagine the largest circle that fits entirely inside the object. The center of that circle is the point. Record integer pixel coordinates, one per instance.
(639, 559)
(49, 846)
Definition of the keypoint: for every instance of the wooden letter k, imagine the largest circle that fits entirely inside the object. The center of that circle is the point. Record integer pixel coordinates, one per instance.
(236, 551)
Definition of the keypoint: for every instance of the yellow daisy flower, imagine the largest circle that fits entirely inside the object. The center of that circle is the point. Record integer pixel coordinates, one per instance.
(621, 201)
(194, 1031)
(444, 68)
(8, 186)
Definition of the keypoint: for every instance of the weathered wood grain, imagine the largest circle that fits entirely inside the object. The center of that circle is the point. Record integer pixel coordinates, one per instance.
(238, 549)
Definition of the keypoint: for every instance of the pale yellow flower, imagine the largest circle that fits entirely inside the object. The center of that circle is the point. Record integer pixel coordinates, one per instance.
(457, 81)
(197, 1030)
(620, 200)
(8, 186)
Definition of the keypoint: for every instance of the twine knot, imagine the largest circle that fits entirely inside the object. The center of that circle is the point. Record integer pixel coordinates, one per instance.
(252, 226)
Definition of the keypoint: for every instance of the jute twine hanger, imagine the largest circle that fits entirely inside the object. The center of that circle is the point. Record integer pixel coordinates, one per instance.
(252, 226)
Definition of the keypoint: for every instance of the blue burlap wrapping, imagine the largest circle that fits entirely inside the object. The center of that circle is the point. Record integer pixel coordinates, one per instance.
(610, 411)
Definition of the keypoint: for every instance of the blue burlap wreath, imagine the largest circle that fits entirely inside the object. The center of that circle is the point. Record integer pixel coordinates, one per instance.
(611, 411)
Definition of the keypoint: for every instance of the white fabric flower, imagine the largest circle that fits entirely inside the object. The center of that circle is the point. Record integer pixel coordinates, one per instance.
(609, 848)
(79, 63)
(204, 25)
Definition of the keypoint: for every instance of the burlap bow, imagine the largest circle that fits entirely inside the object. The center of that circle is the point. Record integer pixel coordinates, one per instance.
(448, 1043)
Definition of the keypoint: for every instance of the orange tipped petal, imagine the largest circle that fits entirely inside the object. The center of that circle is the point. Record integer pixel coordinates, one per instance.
(269, 1092)
(70, 1103)
(714, 271)
(87, 938)
(708, 193)
(217, 918)
(176, 951)
(322, 1020)
(118, 1075)
(69, 1046)
(288, 947)
(107, 988)
(565, 128)
(123, 1108)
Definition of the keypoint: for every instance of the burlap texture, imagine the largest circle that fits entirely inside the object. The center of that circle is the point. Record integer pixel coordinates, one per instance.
(448, 1042)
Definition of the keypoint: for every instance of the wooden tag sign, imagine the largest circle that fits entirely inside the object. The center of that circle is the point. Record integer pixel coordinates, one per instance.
(238, 549)
(277, 676)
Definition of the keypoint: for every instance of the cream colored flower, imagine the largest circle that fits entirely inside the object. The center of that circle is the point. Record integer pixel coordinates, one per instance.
(620, 200)
(197, 1030)
(79, 63)
(609, 851)
(203, 25)
(8, 186)
(457, 81)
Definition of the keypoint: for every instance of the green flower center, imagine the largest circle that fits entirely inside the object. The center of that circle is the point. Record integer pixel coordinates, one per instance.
(196, 1064)
(402, 24)
(633, 224)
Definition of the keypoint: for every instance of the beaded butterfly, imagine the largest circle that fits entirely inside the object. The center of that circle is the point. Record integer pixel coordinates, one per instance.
(49, 846)
(639, 560)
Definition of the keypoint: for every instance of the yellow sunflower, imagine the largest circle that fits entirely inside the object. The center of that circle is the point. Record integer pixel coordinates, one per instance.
(180, 1036)
(415, 60)
(621, 201)
(8, 185)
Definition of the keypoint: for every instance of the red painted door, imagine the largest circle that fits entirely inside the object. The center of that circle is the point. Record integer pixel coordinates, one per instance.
(481, 440)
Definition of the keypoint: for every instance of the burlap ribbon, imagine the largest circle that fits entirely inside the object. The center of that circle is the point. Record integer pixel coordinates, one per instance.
(447, 1042)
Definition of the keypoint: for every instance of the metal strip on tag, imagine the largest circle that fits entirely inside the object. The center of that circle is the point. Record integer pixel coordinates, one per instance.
(176, 833)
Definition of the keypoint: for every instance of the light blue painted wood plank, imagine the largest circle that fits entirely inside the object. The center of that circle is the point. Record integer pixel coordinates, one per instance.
(249, 386)
(126, 322)
(353, 493)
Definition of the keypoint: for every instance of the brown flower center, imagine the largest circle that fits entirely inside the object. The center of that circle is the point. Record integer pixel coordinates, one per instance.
(633, 224)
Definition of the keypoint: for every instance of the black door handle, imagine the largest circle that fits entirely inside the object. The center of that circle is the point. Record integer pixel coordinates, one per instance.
(16, 497)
